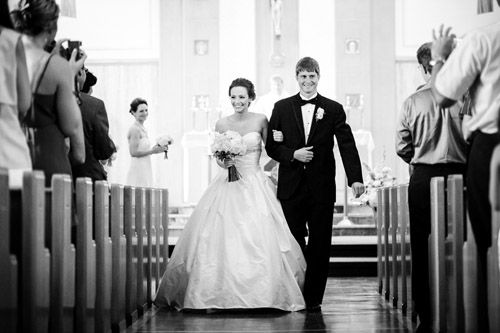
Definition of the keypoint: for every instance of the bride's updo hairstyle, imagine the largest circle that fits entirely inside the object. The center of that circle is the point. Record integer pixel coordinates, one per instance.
(241, 82)
(135, 104)
(33, 17)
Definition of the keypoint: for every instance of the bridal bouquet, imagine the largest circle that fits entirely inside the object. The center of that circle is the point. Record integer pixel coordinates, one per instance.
(229, 145)
(164, 141)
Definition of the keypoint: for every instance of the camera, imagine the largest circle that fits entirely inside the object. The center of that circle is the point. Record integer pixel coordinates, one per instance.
(73, 44)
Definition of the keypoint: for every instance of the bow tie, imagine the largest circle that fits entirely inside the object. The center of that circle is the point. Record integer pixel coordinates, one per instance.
(309, 101)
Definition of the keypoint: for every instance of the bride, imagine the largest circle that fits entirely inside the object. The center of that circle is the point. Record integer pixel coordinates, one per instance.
(236, 251)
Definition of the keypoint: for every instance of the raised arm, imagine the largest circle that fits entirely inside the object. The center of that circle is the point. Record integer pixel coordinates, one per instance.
(23, 84)
(70, 117)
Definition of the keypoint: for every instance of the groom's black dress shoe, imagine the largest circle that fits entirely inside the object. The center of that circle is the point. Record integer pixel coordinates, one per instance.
(314, 308)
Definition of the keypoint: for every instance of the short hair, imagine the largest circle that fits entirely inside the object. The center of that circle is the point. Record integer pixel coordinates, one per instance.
(307, 64)
(135, 104)
(90, 81)
(424, 57)
(241, 82)
(33, 17)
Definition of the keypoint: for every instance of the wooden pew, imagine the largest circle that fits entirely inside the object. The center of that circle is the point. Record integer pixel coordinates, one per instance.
(118, 255)
(62, 259)
(471, 278)
(436, 255)
(380, 244)
(404, 237)
(35, 257)
(395, 244)
(8, 261)
(131, 313)
(85, 259)
(387, 250)
(454, 253)
(493, 251)
(164, 221)
(151, 235)
(142, 243)
(158, 233)
(103, 258)
(95, 287)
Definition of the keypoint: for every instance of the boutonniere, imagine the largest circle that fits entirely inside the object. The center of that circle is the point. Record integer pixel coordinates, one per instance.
(319, 114)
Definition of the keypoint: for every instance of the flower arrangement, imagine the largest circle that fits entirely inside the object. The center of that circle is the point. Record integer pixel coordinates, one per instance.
(164, 141)
(378, 177)
(229, 145)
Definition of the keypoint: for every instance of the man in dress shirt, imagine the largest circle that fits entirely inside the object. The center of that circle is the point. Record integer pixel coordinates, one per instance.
(430, 139)
(473, 65)
(306, 182)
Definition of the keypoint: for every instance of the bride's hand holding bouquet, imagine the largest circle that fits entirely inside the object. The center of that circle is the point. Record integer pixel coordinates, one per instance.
(225, 147)
(164, 141)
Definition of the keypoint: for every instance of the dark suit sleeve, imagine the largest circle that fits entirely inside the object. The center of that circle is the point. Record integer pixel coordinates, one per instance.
(104, 147)
(278, 150)
(347, 148)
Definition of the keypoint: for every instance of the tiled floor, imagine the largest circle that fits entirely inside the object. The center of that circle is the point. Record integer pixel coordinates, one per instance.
(350, 305)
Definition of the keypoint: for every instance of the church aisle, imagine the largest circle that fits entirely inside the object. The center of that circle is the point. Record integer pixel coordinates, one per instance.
(350, 305)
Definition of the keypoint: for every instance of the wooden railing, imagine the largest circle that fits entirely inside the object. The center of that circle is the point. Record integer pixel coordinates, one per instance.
(454, 272)
(87, 260)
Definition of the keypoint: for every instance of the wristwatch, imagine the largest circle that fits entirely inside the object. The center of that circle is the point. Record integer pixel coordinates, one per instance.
(435, 61)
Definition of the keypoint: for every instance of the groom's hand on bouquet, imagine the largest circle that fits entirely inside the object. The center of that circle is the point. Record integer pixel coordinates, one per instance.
(304, 155)
(358, 189)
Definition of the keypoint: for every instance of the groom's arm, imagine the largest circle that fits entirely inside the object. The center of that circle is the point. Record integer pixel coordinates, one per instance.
(347, 148)
(278, 150)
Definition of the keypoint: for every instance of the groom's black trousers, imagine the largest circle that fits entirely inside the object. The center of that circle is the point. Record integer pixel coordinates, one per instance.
(301, 210)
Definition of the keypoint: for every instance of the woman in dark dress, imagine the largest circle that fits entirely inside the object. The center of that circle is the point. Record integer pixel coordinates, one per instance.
(55, 114)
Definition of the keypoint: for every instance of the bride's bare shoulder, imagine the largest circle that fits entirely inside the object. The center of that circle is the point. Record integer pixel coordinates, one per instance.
(221, 125)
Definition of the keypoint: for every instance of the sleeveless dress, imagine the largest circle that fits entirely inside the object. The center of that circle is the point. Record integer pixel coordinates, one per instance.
(49, 151)
(14, 151)
(236, 250)
(140, 173)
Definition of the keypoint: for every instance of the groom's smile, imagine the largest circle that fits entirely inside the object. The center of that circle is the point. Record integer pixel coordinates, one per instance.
(308, 82)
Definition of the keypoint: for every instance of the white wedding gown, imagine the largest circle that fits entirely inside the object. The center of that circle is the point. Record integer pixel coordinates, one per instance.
(236, 251)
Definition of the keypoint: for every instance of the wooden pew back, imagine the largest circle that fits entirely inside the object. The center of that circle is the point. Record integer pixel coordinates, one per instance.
(493, 251)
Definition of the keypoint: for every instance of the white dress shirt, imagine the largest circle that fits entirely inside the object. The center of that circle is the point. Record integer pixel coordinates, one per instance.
(307, 115)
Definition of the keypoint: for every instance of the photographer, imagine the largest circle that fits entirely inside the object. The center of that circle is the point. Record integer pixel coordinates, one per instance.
(98, 145)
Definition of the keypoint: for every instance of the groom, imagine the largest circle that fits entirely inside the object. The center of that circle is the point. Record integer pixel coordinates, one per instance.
(306, 181)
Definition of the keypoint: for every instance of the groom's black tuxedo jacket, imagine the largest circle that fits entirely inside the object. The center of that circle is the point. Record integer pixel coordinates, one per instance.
(320, 172)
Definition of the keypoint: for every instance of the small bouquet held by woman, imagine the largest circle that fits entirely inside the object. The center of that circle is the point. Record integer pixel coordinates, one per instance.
(164, 141)
(229, 145)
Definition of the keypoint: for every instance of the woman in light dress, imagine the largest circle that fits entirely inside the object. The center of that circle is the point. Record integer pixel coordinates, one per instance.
(140, 172)
(15, 99)
(236, 251)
